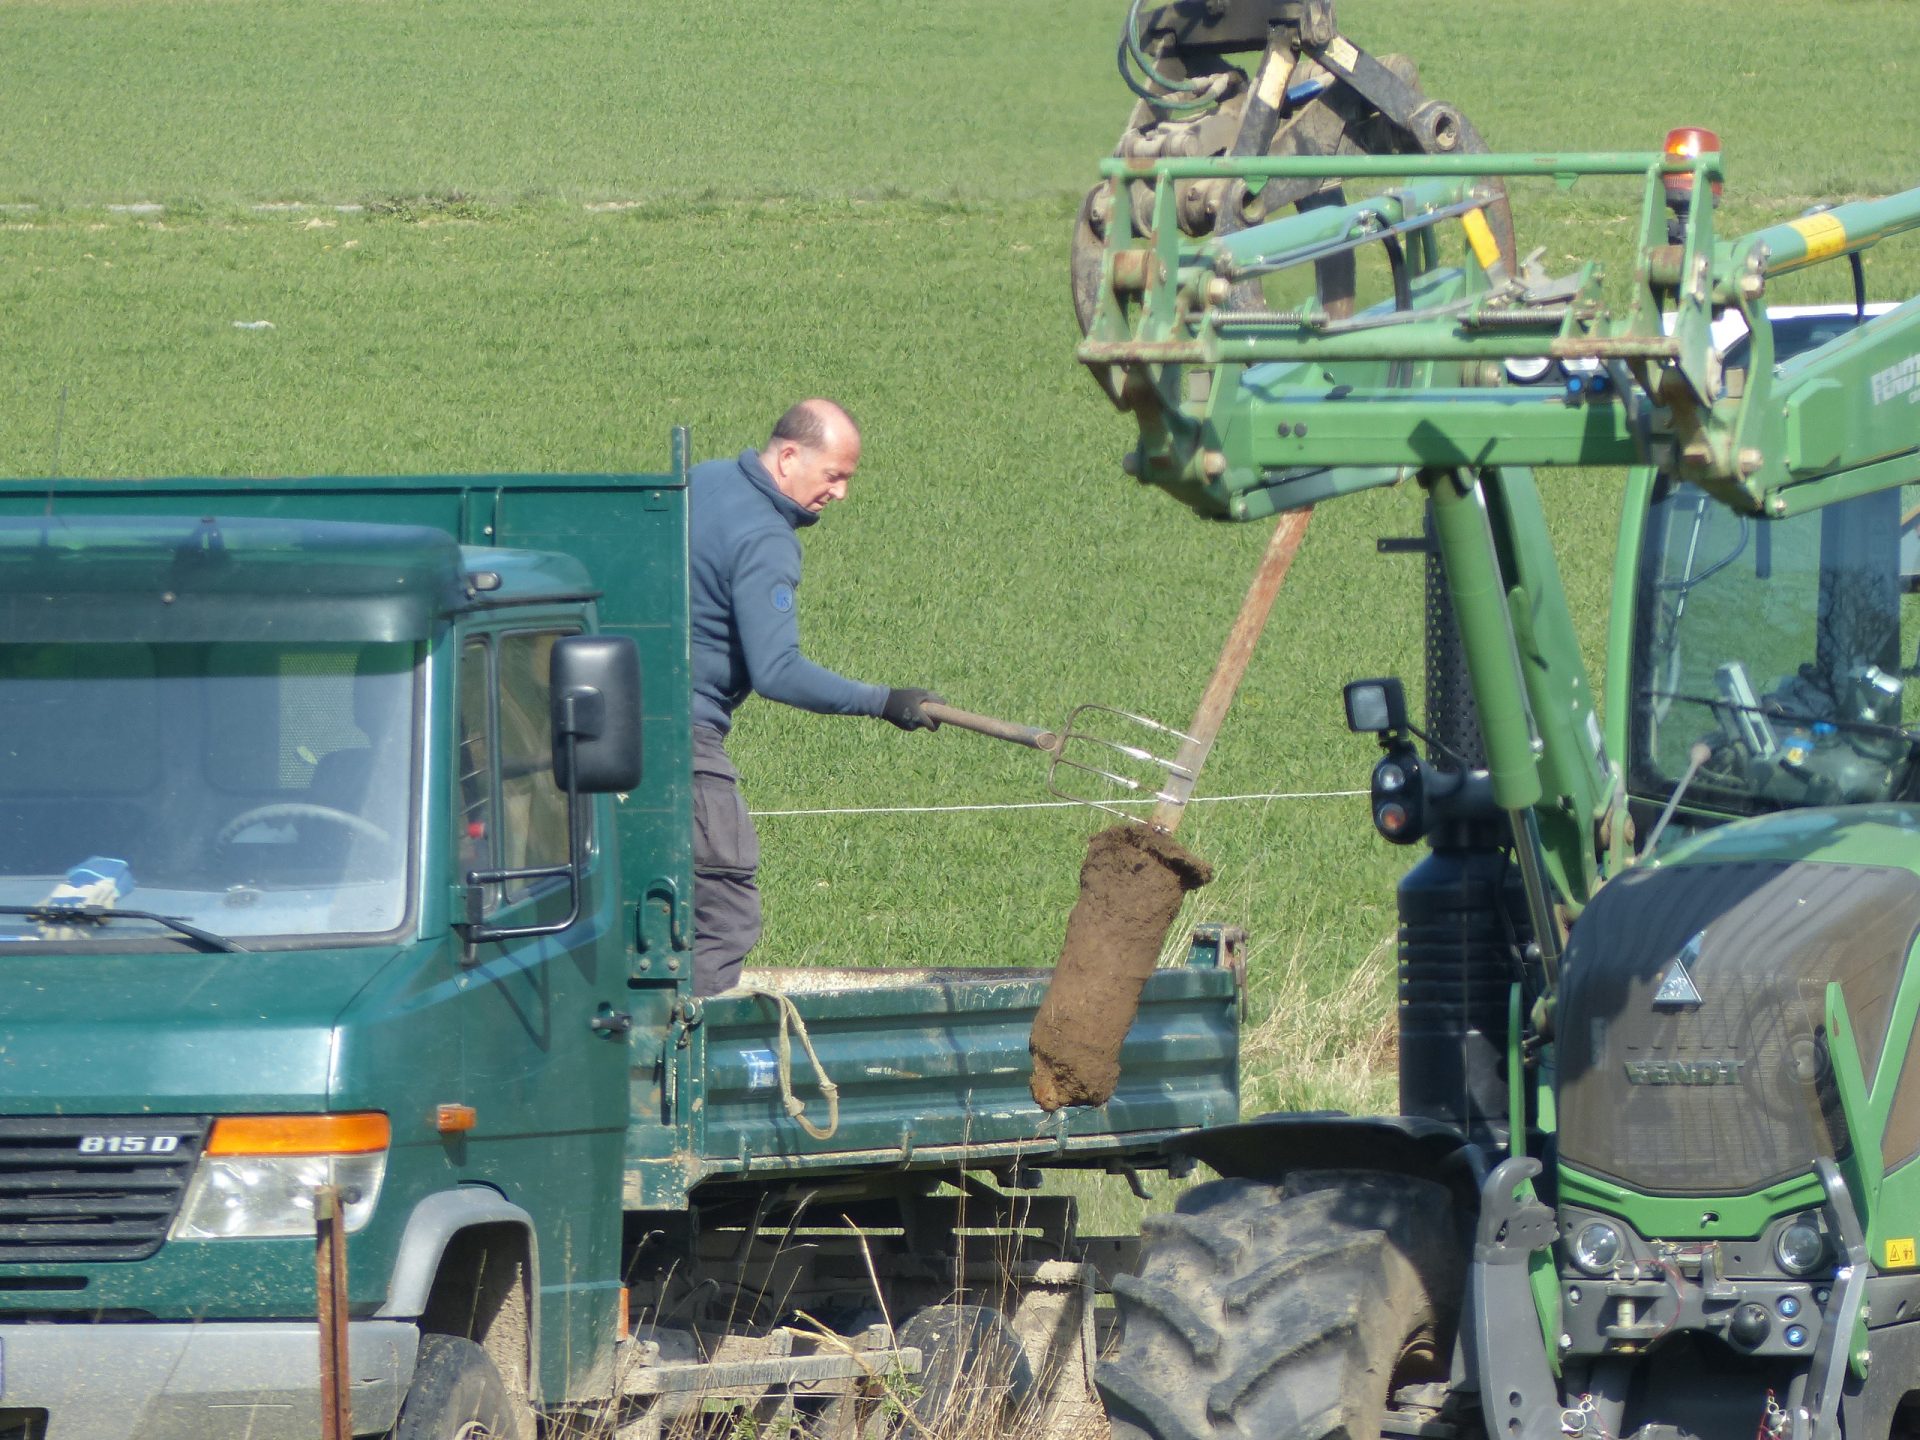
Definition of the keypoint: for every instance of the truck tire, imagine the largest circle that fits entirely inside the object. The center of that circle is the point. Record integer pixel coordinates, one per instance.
(974, 1378)
(1292, 1312)
(457, 1394)
(973, 1371)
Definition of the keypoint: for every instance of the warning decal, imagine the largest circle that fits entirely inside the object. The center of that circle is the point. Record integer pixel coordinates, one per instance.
(1825, 235)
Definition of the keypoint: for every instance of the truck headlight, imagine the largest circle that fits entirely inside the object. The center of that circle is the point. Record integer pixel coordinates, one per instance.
(1801, 1247)
(1597, 1247)
(257, 1176)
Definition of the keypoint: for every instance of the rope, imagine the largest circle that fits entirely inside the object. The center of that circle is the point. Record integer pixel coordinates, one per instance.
(1055, 804)
(795, 1108)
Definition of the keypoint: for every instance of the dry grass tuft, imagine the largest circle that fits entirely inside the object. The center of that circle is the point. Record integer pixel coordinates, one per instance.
(1325, 1040)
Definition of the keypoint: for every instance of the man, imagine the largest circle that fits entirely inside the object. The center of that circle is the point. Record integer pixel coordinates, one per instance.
(745, 580)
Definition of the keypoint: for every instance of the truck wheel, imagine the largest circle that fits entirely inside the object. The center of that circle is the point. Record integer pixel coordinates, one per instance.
(974, 1378)
(973, 1370)
(1286, 1313)
(457, 1394)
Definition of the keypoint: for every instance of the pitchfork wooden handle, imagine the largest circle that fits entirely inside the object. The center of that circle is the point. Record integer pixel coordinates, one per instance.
(1232, 664)
(1032, 736)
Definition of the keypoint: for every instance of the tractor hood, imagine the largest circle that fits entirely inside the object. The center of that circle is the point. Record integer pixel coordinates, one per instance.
(1692, 1003)
(174, 1032)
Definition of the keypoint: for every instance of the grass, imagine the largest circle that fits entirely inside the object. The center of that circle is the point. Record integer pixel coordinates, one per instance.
(869, 200)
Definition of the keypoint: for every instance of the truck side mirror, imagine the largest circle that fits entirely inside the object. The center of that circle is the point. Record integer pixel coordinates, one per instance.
(594, 682)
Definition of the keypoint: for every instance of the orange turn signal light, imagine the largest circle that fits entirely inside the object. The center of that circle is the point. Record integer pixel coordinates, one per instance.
(354, 1134)
(455, 1119)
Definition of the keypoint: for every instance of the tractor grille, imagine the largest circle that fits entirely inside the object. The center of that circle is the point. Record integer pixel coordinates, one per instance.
(85, 1188)
(1723, 1085)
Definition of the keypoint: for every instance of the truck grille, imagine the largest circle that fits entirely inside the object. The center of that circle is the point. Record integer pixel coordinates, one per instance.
(85, 1188)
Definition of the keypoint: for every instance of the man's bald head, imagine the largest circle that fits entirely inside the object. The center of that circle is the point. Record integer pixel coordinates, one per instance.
(812, 423)
(813, 452)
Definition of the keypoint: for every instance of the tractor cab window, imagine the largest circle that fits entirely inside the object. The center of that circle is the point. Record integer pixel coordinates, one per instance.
(1785, 650)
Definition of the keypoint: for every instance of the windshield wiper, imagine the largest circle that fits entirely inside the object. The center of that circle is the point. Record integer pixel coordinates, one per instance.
(101, 914)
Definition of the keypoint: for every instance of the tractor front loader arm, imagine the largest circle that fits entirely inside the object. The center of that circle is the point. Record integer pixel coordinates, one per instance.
(1246, 405)
(1242, 79)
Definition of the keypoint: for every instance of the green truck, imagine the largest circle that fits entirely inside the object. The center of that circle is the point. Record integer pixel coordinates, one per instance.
(293, 895)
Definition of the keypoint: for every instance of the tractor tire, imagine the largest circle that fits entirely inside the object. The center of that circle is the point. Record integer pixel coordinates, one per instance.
(1292, 1312)
(457, 1394)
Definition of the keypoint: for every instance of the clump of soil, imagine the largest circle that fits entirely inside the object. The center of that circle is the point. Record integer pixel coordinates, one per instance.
(1131, 884)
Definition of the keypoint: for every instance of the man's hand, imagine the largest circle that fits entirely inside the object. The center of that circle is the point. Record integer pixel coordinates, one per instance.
(903, 709)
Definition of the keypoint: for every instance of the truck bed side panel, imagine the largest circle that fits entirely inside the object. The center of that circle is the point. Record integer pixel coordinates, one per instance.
(931, 1068)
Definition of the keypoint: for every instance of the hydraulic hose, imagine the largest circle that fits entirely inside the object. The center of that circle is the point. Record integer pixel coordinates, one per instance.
(1206, 92)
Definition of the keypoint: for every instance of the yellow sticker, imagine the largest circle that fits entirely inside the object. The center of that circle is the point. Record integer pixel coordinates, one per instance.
(1274, 74)
(1341, 52)
(1825, 235)
(1899, 1252)
(1480, 236)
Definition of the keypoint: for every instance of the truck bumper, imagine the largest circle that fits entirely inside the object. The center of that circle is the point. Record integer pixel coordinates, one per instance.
(214, 1381)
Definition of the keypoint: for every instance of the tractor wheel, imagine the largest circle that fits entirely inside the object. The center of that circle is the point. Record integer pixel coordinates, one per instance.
(1290, 1312)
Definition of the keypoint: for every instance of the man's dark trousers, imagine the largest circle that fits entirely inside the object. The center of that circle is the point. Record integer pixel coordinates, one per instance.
(726, 853)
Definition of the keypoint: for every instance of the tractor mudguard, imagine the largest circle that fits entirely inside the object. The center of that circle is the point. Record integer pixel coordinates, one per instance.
(1269, 1147)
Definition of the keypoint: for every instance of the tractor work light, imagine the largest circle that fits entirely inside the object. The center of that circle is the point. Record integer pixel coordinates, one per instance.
(1801, 1247)
(1689, 142)
(1598, 1246)
(257, 1177)
(1376, 707)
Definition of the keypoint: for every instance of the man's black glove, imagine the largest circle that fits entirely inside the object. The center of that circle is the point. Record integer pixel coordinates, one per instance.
(903, 709)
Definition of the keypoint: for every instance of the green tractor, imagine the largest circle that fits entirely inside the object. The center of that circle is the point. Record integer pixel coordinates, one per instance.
(1654, 1172)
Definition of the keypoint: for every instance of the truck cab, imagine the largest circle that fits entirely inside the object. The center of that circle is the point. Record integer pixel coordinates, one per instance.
(280, 739)
(347, 843)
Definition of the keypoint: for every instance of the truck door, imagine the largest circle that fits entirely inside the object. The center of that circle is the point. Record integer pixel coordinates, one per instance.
(549, 1084)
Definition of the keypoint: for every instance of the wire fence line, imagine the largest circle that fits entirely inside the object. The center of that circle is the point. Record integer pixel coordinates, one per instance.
(1052, 804)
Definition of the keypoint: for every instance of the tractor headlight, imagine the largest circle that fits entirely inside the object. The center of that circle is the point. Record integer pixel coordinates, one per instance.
(1597, 1247)
(1800, 1247)
(258, 1174)
(1528, 369)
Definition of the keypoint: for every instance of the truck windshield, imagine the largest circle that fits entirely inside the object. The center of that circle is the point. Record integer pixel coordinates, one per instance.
(248, 789)
(1785, 647)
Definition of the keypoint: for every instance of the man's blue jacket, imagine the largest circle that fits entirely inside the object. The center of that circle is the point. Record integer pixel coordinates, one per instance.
(745, 584)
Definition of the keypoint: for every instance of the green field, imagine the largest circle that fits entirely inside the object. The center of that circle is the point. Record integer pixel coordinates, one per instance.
(579, 224)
